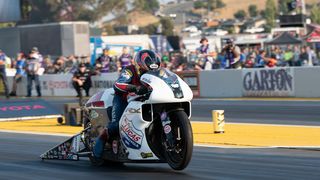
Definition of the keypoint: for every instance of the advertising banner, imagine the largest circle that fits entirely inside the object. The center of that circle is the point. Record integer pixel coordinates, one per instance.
(61, 84)
(277, 82)
(26, 108)
(115, 43)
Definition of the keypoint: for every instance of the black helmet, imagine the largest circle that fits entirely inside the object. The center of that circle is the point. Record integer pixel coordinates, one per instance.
(147, 60)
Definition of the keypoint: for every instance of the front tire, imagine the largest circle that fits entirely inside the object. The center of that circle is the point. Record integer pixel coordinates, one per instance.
(179, 158)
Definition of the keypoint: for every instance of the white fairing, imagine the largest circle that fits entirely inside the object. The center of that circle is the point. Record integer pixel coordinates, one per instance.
(105, 96)
(161, 91)
(132, 131)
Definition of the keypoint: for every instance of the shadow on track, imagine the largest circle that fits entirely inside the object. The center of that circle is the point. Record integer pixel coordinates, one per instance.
(85, 166)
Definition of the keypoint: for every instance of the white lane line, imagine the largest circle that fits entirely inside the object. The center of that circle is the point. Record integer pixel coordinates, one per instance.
(271, 100)
(234, 147)
(258, 147)
(306, 147)
(36, 133)
(30, 118)
(258, 124)
(275, 125)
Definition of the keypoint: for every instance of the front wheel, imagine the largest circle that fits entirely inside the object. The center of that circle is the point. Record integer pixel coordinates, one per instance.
(179, 157)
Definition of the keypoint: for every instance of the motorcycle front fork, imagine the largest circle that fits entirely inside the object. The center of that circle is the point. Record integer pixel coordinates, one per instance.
(170, 143)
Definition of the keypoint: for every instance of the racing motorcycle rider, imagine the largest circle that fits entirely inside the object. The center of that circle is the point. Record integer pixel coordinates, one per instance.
(128, 82)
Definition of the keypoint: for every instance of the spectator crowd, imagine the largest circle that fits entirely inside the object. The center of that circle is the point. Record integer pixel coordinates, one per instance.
(33, 64)
(234, 57)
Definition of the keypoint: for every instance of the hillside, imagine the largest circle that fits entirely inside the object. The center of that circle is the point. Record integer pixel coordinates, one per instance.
(233, 6)
(139, 18)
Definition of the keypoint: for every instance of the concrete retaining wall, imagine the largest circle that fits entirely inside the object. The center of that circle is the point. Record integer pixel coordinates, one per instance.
(276, 82)
(220, 83)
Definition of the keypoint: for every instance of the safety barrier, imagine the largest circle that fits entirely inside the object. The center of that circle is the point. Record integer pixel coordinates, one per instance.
(61, 84)
(275, 82)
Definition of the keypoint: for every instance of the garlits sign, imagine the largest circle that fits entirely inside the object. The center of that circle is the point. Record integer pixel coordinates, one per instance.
(268, 82)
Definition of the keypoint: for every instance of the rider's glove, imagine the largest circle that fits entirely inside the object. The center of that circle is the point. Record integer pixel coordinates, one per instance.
(141, 90)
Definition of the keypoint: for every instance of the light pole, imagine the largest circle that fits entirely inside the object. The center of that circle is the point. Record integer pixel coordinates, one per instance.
(208, 9)
(303, 6)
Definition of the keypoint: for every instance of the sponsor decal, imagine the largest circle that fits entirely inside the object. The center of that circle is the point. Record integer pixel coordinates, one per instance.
(132, 110)
(65, 151)
(115, 146)
(75, 144)
(175, 85)
(167, 129)
(94, 114)
(146, 155)
(131, 136)
(127, 74)
(52, 84)
(268, 82)
(154, 66)
(146, 80)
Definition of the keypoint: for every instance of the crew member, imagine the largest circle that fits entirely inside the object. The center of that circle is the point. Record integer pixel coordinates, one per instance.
(105, 60)
(3, 75)
(20, 72)
(129, 81)
(125, 58)
(82, 79)
(32, 69)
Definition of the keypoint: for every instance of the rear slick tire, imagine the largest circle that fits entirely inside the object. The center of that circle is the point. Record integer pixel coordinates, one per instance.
(180, 160)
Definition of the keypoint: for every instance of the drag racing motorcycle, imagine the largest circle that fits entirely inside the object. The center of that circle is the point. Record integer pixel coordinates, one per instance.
(155, 127)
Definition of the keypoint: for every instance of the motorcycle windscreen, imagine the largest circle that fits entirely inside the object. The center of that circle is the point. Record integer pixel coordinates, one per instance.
(171, 80)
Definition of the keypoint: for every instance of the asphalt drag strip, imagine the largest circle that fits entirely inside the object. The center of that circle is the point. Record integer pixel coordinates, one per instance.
(19, 159)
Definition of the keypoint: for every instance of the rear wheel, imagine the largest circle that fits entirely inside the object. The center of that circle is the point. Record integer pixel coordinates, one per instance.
(180, 155)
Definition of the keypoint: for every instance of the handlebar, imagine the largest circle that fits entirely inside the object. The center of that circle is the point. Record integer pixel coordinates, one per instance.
(143, 97)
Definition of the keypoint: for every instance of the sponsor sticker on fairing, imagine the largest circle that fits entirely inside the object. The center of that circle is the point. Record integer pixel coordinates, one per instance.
(167, 129)
(131, 136)
(115, 146)
(132, 110)
(146, 155)
(94, 114)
